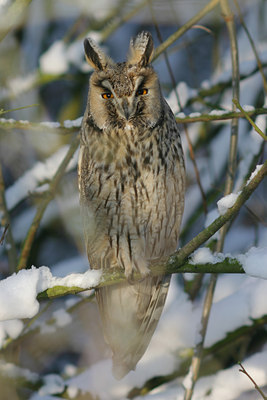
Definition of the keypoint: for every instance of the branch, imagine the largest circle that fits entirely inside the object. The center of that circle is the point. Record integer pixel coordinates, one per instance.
(229, 182)
(27, 245)
(51, 127)
(171, 39)
(5, 222)
(246, 115)
(10, 18)
(218, 115)
(178, 262)
(242, 369)
(110, 277)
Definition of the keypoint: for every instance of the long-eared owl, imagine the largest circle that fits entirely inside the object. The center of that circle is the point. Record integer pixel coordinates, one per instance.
(131, 182)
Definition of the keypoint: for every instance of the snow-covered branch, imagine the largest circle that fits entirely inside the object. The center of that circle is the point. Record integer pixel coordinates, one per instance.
(19, 292)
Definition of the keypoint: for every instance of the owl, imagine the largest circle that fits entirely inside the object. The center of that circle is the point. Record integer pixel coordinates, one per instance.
(131, 181)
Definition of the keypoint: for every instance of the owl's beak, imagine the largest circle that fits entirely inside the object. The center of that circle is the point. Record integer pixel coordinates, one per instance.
(126, 108)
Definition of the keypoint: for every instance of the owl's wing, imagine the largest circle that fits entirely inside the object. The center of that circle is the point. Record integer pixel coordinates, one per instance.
(130, 314)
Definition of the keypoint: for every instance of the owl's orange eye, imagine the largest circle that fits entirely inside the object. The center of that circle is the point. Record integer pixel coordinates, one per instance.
(141, 92)
(107, 95)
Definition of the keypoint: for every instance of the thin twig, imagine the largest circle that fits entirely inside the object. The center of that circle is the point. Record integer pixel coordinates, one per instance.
(115, 24)
(257, 129)
(5, 222)
(198, 354)
(190, 146)
(171, 39)
(193, 159)
(243, 370)
(27, 245)
(252, 46)
(4, 234)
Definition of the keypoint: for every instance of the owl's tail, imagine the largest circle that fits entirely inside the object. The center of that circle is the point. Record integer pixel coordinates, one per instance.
(130, 314)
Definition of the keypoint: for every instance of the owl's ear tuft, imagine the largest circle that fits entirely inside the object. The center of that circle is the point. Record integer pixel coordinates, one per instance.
(141, 49)
(95, 56)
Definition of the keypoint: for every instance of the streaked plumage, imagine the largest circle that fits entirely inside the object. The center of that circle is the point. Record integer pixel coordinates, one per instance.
(131, 181)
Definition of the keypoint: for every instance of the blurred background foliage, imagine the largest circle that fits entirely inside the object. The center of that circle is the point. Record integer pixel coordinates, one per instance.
(42, 66)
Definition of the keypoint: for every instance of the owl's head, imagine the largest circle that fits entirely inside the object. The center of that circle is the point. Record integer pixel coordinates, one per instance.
(124, 93)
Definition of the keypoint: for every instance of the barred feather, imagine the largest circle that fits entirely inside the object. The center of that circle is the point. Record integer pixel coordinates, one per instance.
(131, 182)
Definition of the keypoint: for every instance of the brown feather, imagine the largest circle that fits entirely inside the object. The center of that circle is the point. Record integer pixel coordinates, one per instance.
(131, 182)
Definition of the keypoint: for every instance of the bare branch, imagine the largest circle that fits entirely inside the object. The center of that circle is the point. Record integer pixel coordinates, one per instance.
(243, 370)
(27, 245)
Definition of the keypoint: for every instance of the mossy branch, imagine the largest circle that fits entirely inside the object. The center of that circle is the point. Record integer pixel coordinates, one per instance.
(64, 129)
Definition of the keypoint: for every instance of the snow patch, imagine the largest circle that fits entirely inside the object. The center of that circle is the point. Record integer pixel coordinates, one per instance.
(203, 255)
(19, 291)
(76, 123)
(54, 60)
(248, 108)
(218, 112)
(62, 317)
(254, 173)
(53, 384)
(11, 329)
(12, 371)
(227, 202)
(40, 172)
(255, 262)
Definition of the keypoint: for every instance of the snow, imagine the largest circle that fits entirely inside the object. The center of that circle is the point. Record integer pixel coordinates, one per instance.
(54, 60)
(188, 380)
(19, 291)
(70, 370)
(12, 371)
(250, 146)
(19, 85)
(195, 114)
(53, 384)
(50, 124)
(37, 396)
(62, 317)
(40, 172)
(11, 329)
(202, 255)
(57, 59)
(238, 298)
(72, 392)
(226, 202)
(254, 262)
(241, 299)
(254, 173)
(184, 92)
(248, 108)
(18, 295)
(237, 382)
(4, 3)
(7, 120)
(76, 123)
(218, 112)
